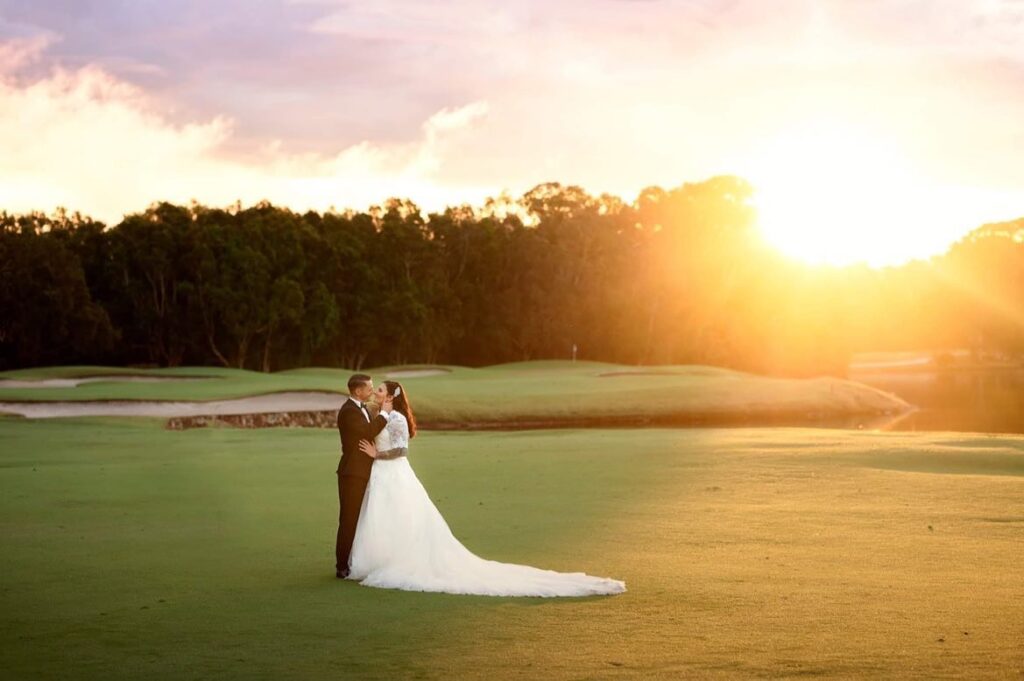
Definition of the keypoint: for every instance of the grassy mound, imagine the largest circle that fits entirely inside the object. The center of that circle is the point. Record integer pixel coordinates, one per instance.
(134, 552)
(538, 392)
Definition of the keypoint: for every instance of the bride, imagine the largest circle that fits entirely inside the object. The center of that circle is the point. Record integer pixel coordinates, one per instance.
(403, 542)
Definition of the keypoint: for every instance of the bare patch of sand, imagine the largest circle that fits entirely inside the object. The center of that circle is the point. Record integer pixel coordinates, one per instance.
(75, 382)
(892, 364)
(417, 373)
(612, 374)
(274, 402)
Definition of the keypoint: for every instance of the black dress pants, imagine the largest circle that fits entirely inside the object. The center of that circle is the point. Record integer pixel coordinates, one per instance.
(350, 497)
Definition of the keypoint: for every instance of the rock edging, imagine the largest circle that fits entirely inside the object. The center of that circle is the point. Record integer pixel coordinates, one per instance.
(782, 417)
(280, 419)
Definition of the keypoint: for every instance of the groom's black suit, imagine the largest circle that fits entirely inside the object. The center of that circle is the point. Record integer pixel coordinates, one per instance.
(353, 474)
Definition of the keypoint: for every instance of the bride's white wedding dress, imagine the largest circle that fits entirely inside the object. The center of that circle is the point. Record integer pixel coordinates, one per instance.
(403, 542)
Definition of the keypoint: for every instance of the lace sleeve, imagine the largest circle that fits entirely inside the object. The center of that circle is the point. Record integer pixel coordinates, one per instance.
(398, 433)
(398, 428)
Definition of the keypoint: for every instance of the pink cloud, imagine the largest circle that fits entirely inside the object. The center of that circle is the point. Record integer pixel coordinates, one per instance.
(86, 140)
(324, 101)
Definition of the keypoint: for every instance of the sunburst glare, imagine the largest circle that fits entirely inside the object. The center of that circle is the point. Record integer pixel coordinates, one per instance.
(836, 194)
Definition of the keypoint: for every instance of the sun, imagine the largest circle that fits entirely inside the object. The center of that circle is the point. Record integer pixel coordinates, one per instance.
(835, 194)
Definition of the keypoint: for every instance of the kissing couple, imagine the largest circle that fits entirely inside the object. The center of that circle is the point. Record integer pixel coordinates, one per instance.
(390, 534)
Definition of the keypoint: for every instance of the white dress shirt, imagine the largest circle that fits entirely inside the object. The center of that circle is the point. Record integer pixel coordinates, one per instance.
(366, 412)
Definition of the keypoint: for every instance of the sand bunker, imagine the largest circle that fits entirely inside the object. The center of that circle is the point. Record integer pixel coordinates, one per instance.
(417, 373)
(74, 382)
(275, 402)
(891, 364)
(612, 374)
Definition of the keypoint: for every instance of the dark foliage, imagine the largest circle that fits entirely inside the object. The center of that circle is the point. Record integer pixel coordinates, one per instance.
(679, 276)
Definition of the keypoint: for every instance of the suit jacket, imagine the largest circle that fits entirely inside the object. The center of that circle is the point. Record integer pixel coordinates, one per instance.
(353, 427)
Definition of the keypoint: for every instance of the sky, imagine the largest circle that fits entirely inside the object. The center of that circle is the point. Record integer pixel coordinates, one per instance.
(871, 129)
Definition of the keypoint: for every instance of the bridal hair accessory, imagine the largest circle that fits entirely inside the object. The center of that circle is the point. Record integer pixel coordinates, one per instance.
(398, 391)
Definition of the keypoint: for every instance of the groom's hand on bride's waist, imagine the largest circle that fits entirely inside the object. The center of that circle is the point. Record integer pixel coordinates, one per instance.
(366, 447)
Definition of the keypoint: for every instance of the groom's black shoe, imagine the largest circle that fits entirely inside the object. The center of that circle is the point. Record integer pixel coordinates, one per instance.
(341, 574)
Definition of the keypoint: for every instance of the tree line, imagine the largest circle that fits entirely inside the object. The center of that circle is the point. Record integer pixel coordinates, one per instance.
(678, 276)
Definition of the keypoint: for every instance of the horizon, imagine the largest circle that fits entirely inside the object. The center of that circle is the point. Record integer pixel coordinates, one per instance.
(426, 213)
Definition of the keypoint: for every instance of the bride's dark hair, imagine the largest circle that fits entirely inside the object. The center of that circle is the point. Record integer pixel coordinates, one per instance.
(401, 404)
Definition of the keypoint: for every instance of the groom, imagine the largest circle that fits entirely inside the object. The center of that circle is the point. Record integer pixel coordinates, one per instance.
(354, 424)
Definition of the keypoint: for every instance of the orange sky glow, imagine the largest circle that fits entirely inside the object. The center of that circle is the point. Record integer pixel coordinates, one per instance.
(873, 132)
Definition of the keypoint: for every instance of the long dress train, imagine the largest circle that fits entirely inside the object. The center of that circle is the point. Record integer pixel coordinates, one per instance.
(403, 542)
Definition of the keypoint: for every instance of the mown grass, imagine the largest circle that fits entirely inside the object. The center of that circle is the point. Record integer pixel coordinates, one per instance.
(134, 552)
(526, 391)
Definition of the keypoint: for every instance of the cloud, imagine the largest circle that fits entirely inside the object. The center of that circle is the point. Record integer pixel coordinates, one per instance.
(85, 139)
(17, 53)
(320, 102)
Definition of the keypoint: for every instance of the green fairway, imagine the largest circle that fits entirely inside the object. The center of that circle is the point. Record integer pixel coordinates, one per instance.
(132, 552)
(528, 391)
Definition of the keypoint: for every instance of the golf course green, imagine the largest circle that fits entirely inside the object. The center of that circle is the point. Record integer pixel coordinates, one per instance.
(134, 552)
(537, 393)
